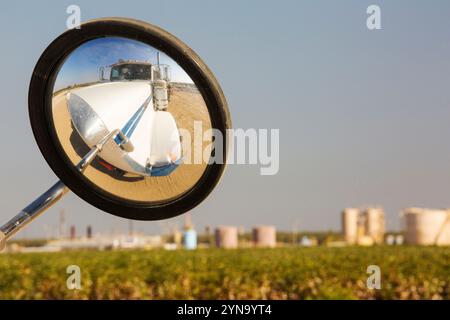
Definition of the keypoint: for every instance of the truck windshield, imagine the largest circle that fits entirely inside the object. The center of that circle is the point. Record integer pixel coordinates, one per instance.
(131, 72)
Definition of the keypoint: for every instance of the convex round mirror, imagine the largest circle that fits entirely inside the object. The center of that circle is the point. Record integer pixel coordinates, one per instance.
(146, 104)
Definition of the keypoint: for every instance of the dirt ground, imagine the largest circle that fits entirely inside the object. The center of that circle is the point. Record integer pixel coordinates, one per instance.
(186, 105)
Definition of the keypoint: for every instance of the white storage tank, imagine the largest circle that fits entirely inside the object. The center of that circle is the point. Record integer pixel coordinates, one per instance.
(427, 226)
(265, 236)
(226, 237)
(374, 224)
(190, 239)
(350, 225)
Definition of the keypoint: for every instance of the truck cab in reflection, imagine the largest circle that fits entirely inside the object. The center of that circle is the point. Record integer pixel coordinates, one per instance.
(133, 70)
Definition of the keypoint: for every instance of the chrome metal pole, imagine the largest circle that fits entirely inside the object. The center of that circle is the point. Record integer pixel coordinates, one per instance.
(33, 210)
(48, 198)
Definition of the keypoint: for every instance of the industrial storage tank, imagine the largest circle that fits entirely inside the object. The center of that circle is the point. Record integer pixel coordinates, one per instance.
(189, 235)
(226, 237)
(374, 224)
(190, 239)
(427, 226)
(265, 236)
(350, 224)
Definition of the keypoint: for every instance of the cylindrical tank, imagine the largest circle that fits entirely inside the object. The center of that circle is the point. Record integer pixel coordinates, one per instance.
(190, 239)
(427, 226)
(374, 223)
(226, 237)
(264, 236)
(350, 224)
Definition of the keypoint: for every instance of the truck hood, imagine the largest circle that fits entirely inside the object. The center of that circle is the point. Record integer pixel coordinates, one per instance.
(101, 108)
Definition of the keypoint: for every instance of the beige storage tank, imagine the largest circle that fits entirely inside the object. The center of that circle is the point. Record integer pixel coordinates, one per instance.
(427, 226)
(374, 224)
(265, 236)
(350, 225)
(226, 237)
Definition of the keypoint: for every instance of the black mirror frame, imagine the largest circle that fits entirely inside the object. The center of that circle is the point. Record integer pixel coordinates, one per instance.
(39, 105)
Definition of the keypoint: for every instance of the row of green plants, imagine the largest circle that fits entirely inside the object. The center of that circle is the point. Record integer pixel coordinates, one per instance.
(282, 273)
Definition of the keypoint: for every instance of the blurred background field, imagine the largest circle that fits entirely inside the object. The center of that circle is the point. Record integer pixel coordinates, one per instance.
(407, 272)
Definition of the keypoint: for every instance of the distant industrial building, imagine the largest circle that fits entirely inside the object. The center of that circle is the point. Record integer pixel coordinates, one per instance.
(265, 236)
(363, 227)
(98, 242)
(427, 226)
(226, 237)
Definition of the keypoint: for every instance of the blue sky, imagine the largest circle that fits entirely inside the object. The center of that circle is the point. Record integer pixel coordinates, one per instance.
(84, 63)
(363, 115)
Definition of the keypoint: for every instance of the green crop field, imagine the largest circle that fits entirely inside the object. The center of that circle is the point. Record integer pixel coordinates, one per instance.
(283, 273)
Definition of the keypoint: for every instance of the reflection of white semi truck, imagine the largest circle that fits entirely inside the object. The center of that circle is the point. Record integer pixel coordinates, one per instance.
(132, 96)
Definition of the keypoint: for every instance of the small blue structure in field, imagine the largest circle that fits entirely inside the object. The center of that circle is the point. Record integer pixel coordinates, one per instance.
(190, 239)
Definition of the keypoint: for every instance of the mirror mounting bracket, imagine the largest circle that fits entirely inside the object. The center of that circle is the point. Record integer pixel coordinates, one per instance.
(52, 195)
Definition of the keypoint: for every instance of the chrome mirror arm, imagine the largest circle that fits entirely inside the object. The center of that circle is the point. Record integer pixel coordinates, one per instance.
(33, 210)
(48, 198)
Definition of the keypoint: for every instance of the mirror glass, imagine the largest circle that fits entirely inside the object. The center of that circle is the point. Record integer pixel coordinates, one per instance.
(157, 121)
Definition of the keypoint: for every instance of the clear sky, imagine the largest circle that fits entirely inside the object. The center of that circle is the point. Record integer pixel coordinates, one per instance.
(363, 115)
(83, 64)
